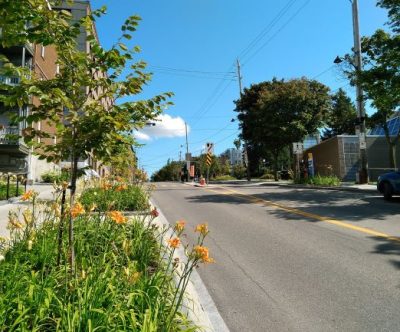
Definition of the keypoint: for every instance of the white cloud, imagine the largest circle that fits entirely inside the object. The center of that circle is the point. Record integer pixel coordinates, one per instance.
(165, 126)
(141, 136)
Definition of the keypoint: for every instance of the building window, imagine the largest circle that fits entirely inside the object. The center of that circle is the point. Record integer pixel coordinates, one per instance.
(42, 51)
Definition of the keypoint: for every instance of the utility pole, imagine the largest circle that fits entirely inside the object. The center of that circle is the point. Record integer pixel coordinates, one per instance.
(187, 154)
(360, 128)
(245, 142)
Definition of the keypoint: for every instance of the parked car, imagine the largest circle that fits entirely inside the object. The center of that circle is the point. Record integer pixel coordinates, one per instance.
(389, 184)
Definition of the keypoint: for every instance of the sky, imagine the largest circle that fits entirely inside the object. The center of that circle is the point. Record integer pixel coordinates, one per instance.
(191, 47)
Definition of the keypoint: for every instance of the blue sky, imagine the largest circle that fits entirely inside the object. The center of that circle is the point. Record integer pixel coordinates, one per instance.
(191, 46)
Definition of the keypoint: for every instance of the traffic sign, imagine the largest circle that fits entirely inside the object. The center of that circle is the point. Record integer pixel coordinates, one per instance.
(208, 159)
(210, 147)
(298, 148)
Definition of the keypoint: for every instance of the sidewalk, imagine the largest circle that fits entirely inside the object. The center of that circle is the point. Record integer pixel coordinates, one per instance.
(45, 192)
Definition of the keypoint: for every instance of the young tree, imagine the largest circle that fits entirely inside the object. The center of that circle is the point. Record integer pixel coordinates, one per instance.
(277, 113)
(380, 79)
(341, 116)
(90, 101)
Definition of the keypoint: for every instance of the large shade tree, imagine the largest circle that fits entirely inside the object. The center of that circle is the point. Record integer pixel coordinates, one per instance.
(380, 77)
(341, 117)
(277, 113)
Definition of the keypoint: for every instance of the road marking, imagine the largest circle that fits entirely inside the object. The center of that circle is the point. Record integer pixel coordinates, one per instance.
(327, 220)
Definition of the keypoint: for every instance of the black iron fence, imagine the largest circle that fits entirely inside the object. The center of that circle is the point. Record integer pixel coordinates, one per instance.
(12, 184)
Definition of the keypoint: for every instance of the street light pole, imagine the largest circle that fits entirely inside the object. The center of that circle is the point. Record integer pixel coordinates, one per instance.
(363, 162)
(245, 142)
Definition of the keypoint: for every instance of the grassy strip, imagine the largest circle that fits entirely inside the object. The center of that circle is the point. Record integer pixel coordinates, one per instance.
(328, 181)
(224, 178)
(121, 283)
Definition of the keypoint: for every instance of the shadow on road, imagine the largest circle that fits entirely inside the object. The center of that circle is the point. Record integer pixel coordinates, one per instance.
(350, 206)
(388, 247)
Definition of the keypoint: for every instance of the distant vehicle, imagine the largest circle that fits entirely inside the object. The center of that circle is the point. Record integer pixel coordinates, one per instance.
(389, 184)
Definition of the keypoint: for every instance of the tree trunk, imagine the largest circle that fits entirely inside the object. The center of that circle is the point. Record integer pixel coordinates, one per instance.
(392, 155)
(71, 249)
(392, 146)
(276, 155)
(61, 227)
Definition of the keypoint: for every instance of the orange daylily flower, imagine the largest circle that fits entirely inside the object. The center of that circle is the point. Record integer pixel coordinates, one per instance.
(174, 242)
(118, 217)
(202, 228)
(203, 254)
(106, 186)
(121, 187)
(77, 210)
(27, 195)
(180, 225)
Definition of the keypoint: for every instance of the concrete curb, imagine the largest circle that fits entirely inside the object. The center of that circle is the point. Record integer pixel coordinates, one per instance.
(198, 305)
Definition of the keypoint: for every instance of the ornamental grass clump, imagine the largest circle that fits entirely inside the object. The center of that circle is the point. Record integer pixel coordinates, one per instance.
(126, 276)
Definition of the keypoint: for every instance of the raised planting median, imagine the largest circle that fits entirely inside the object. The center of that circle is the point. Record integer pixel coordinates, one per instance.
(125, 275)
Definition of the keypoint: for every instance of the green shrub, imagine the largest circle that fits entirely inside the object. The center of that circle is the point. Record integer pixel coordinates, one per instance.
(53, 176)
(267, 176)
(224, 178)
(131, 198)
(239, 171)
(328, 181)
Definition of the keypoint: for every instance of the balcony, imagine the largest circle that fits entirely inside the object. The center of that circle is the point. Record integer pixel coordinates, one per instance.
(30, 48)
(9, 80)
(10, 141)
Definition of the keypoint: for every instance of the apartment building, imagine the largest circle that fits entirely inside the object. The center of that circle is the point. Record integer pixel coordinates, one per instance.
(15, 155)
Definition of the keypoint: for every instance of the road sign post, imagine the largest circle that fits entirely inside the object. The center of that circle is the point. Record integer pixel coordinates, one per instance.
(298, 151)
(210, 151)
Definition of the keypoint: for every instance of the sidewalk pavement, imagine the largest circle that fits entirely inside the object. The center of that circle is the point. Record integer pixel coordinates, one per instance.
(45, 192)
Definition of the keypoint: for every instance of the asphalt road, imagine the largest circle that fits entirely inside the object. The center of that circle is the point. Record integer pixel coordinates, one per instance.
(295, 259)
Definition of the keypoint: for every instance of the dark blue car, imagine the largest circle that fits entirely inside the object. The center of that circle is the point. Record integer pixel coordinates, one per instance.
(389, 184)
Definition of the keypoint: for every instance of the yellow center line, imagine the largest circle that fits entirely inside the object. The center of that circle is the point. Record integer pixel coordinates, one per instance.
(264, 202)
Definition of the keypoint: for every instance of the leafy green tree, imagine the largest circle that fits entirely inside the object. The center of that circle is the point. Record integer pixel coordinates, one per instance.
(276, 113)
(169, 172)
(237, 143)
(341, 116)
(380, 79)
(90, 101)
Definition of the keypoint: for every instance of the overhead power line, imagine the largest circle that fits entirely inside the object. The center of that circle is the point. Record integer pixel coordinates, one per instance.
(193, 71)
(267, 29)
(275, 34)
